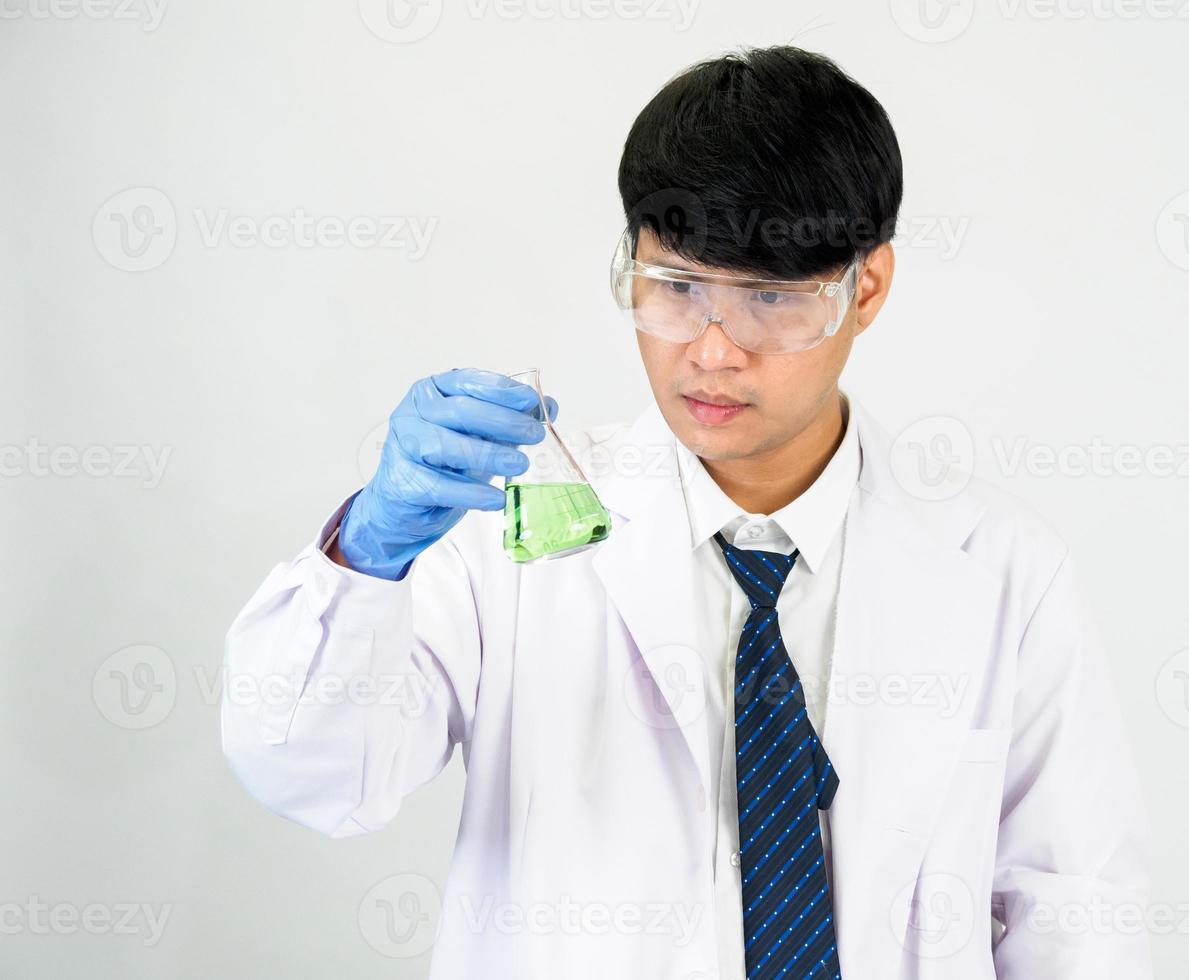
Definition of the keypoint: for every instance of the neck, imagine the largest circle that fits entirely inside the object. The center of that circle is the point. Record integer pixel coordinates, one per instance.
(765, 482)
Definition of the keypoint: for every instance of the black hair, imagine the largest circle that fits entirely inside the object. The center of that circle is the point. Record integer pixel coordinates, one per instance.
(770, 161)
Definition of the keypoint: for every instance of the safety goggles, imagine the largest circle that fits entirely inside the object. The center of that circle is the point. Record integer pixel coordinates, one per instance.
(765, 316)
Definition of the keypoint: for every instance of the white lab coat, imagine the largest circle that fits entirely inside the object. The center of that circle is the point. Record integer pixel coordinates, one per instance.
(574, 688)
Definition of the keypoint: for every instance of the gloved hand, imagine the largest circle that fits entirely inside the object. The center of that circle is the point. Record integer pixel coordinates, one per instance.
(449, 435)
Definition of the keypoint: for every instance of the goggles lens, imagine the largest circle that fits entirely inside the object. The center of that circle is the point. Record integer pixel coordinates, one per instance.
(758, 315)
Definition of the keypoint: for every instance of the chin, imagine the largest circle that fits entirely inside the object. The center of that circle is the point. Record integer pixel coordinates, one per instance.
(716, 454)
(709, 443)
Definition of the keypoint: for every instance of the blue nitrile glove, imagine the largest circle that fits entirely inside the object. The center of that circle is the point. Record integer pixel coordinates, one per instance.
(447, 438)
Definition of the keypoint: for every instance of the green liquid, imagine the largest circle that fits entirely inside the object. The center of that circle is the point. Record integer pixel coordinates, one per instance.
(543, 518)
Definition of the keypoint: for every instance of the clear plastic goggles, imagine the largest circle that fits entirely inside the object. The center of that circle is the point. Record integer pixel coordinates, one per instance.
(765, 316)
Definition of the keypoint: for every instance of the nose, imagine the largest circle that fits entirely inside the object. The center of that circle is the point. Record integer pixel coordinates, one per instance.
(713, 348)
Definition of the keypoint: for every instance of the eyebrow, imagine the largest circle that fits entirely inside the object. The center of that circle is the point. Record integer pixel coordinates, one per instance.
(671, 260)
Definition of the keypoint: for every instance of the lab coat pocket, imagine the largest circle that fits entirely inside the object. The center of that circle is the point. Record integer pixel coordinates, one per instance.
(962, 847)
(973, 778)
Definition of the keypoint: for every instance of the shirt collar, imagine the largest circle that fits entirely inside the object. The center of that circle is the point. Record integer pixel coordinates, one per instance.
(809, 521)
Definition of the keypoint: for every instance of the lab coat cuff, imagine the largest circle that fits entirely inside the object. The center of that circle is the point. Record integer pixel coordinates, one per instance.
(358, 598)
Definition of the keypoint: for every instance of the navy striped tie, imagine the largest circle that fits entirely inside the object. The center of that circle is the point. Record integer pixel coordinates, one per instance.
(783, 777)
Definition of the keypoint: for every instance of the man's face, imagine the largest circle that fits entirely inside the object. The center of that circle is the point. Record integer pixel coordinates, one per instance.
(782, 393)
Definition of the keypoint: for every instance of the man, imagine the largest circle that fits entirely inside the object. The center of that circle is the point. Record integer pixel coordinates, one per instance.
(789, 719)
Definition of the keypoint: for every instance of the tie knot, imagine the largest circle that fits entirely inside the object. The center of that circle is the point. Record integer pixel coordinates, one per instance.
(761, 574)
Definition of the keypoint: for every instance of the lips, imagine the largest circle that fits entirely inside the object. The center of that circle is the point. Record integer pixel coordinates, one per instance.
(709, 413)
(706, 398)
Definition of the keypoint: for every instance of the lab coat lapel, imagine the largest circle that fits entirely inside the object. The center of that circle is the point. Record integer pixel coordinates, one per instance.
(915, 623)
(647, 568)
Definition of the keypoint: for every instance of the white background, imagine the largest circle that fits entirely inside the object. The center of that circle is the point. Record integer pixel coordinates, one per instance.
(1040, 303)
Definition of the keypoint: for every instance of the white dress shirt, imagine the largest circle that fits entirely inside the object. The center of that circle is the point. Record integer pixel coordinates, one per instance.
(805, 608)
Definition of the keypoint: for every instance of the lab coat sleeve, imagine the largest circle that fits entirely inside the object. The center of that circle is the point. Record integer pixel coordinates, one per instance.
(341, 693)
(1071, 872)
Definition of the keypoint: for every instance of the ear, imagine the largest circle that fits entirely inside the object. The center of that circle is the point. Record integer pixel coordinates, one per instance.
(875, 281)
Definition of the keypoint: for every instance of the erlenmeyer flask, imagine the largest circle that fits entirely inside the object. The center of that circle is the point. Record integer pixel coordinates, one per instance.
(550, 510)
